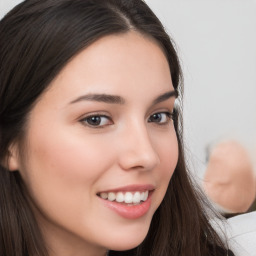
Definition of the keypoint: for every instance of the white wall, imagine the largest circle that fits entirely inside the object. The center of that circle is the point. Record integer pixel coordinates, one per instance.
(7, 5)
(217, 45)
(216, 41)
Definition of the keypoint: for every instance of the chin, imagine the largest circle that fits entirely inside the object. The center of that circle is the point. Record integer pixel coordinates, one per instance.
(125, 240)
(127, 245)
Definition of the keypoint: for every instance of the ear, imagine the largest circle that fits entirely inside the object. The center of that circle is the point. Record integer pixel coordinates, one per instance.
(12, 158)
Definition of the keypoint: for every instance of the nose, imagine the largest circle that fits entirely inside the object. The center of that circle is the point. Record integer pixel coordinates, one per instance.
(137, 150)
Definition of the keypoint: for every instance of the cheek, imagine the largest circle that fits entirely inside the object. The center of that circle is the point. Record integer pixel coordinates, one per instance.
(61, 164)
(66, 155)
(167, 149)
(168, 153)
(61, 171)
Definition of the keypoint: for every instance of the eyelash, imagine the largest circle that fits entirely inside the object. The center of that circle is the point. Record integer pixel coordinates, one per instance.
(98, 118)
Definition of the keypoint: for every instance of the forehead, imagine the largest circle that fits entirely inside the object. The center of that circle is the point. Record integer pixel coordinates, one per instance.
(119, 64)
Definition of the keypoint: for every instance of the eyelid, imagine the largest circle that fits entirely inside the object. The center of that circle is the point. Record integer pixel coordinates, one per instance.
(168, 110)
(168, 113)
(84, 119)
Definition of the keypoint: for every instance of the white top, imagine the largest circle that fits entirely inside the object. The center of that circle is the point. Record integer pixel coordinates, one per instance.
(241, 232)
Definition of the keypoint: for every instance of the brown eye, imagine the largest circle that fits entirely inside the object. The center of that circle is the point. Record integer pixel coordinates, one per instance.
(161, 118)
(96, 121)
(156, 118)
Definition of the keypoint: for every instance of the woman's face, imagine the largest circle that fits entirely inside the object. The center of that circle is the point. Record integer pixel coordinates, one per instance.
(98, 141)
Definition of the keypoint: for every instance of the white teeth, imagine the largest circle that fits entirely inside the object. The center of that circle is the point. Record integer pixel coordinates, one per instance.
(145, 196)
(104, 195)
(111, 196)
(136, 197)
(127, 197)
(119, 197)
(142, 196)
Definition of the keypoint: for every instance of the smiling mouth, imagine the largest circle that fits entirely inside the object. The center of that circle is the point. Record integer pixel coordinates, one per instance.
(130, 198)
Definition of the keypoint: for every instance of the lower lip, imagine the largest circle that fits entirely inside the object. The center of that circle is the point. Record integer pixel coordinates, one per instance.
(129, 211)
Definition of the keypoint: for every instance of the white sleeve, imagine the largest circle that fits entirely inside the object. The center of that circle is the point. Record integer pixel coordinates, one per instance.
(242, 234)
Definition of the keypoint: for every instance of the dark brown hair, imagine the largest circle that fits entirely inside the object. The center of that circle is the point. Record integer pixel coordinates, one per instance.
(37, 39)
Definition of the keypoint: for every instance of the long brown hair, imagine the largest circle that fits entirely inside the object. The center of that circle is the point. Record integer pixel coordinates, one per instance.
(38, 38)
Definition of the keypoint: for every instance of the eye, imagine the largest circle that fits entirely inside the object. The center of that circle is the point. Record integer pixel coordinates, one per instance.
(97, 121)
(160, 118)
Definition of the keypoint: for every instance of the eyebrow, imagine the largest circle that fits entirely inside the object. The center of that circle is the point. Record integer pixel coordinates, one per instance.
(111, 99)
(166, 96)
(114, 99)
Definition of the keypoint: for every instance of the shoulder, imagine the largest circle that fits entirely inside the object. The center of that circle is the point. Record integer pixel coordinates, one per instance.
(242, 233)
(243, 224)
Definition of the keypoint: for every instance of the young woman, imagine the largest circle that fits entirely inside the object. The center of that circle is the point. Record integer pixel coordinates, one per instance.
(90, 142)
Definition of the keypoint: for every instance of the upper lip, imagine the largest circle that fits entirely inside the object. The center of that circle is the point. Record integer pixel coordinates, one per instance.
(131, 188)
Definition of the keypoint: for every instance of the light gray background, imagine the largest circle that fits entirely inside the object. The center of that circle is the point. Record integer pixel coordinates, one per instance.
(217, 44)
(216, 41)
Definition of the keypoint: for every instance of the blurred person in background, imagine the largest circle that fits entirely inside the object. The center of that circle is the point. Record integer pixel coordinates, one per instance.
(229, 180)
(230, 184)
